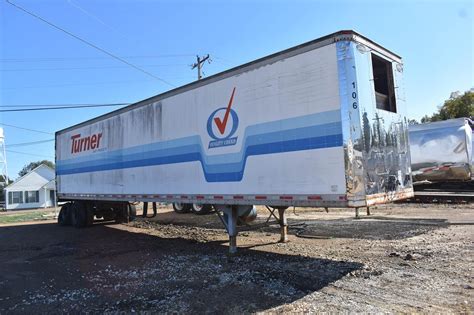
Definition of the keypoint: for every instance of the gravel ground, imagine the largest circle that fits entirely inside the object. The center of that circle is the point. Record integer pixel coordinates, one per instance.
(403, 258)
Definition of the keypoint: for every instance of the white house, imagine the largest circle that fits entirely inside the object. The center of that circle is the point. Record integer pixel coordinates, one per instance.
(36, 189)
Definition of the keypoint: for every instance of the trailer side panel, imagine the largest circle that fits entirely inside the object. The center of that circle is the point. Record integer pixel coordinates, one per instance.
(273, 132)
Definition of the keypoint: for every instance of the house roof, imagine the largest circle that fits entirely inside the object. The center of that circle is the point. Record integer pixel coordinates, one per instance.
(34, 179)
(50, 185)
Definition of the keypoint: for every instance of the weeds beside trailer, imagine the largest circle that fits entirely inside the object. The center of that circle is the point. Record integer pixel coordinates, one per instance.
(442, 151)
(321, 124)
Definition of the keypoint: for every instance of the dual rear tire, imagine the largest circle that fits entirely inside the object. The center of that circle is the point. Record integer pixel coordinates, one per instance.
(81, 213)
(64, 217)
(201, 209)
(196, 208)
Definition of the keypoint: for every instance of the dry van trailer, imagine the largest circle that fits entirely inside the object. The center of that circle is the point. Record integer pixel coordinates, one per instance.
(442, 151)
(321, 124)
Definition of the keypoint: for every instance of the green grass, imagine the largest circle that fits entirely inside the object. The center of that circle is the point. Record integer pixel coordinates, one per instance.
(24, 217)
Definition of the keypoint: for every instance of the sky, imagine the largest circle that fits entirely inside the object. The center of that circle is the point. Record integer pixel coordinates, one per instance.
(42, 65)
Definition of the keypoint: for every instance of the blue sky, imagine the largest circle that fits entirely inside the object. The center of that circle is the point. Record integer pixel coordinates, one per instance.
(40, 65)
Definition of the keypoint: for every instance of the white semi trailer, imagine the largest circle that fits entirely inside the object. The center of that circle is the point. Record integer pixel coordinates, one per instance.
(321, 124)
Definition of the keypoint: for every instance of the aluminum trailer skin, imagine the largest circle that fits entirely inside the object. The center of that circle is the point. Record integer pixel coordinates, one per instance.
(442, 151)
(321, 124)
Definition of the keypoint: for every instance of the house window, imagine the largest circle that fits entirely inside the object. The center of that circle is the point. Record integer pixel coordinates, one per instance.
(383, 84)
(15, 197)
(31, 196)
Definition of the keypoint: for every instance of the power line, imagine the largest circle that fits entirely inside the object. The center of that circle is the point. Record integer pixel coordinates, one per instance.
(25, 153)
(23, 128)
(225, 60)
(28, 143)
(89, 43)
(86, 68)
(71, 84)
(50, 59)
(56, 108)
(94, 17)
(58, 105)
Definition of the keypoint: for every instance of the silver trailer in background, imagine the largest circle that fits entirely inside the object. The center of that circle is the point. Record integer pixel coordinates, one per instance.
(442, 151)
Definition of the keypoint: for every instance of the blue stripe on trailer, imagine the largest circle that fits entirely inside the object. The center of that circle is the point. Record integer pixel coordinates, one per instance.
(267, 138)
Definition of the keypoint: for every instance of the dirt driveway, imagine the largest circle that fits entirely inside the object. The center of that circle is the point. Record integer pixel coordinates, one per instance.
(403, 258)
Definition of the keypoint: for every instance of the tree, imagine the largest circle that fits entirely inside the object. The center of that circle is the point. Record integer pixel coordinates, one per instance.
(34, 165)
(412, 122)
(3, 183)
(456, 106)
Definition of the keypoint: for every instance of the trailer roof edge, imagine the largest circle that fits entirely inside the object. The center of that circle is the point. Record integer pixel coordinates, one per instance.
(289, 52)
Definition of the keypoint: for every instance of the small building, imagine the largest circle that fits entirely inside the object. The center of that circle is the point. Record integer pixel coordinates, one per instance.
(36, 189)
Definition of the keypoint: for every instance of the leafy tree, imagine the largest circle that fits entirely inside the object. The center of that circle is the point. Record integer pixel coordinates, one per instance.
(3, 183)
(456, 106)
(34, 165)
(6, 182)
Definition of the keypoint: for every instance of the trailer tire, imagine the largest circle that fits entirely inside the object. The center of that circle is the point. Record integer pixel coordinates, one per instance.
(201, 209)
(79, 215)
(181, 207)
(132, 212)
(122, 213)
(64, 217)
(89, 210)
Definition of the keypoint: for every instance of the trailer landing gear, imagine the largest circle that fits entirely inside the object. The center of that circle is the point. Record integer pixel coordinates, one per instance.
(283, 225)
(237, 218)
(357, 216)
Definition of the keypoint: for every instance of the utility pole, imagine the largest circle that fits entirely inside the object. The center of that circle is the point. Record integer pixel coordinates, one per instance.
(199, 62)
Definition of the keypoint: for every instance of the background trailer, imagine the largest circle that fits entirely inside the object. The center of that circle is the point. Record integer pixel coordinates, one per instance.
(321, 124)
(442, 151)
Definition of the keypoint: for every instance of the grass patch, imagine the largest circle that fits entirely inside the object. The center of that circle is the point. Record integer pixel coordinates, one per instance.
(24, 217)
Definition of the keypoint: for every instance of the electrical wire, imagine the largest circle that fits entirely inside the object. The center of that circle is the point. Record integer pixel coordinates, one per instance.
(85, 68)
(56, 108)
(71, 84)
(78, 7)
(27, 129)
(25, 153)
(28, 143)
(90, 44)
(58, 105)
(50, 59)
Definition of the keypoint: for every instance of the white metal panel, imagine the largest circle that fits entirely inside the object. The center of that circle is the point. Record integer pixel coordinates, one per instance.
(274, 103)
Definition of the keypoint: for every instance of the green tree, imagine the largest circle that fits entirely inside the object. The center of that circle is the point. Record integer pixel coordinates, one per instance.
(34, 165)
(455, 107)
(3, 183)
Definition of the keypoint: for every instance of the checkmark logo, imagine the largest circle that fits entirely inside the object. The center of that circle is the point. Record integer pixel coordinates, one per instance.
(221, 124)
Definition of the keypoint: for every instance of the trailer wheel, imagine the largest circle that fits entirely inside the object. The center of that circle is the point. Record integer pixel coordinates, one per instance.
(123, 212)
(79, 215)
(132, 212)
(89, 211)
(181, 207)
(64, 217)
(200, 209)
